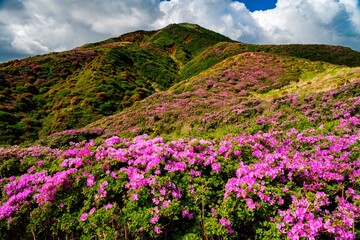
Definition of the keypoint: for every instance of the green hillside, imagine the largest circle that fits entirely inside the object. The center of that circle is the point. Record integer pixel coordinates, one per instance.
(50, 93)
(231, 96)
(181, 133)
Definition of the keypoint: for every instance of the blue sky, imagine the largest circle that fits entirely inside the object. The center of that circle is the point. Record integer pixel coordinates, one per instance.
(31, 27)
(254, 5)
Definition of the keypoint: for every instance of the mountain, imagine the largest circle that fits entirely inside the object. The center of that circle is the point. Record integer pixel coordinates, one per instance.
(57, 91)
(50, 93)
(181, 133)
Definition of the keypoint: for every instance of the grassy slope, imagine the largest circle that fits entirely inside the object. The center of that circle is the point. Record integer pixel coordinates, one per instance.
(49, 93)
(122, 188)
(331, 54)
(232, 95)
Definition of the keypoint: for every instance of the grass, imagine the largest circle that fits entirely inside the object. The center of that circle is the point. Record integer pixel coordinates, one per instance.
(225, 99)
(312, 82)
(53, 92)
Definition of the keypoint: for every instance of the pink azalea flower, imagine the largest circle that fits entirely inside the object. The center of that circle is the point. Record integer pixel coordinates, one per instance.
(83, 216)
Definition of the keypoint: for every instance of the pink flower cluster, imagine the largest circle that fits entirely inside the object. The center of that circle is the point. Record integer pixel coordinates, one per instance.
(309, 179)
(313, 163)
(39, 185)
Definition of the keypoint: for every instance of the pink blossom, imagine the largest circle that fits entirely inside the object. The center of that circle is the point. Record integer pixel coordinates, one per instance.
(225, 222)
(83, 216)
(134, 197)
(157, 230)
(184, 213)
(90, 180)
(156, 201)
(195, 173)
(154, 220)
(213, 212)
(31, 169)
(250, 204)
(108, 206)
(92, 211)
(216, 167)
(166, 204)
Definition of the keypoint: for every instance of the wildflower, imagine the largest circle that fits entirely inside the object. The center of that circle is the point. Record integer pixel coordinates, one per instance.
(83, 216)
(213, 211)
(250, 204)
(225, 222)
(108, 206)
(134, 197)
(184, 213)
(157, 230)
(154, 220)
(92, 211)
(216, 167)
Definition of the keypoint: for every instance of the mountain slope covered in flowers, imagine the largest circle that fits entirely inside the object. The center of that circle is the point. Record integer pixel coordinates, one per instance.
(57, 91)
(46, 94)
(211, 139)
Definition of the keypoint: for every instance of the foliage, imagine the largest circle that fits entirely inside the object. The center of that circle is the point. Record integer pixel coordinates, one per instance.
(272, 185)
(250, 92)
(212, 139)
(71, 89)
(68, 90)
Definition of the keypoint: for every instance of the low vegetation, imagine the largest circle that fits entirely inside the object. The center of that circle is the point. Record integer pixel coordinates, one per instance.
(181, 133)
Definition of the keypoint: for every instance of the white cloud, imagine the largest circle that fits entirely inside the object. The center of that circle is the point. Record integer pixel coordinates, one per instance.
(312, 21)
(224, 16)
(334, 22)
(38, 26)
(24, 42)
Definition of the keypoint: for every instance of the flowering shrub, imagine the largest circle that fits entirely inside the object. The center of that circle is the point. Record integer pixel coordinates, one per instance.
(267, 185)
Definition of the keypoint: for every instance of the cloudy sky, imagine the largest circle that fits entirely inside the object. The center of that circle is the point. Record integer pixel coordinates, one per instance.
(30, 27)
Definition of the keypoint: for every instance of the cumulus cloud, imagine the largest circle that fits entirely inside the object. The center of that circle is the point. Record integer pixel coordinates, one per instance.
(291, 21)
(224, 16)
(39, 26)
(312, 21)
